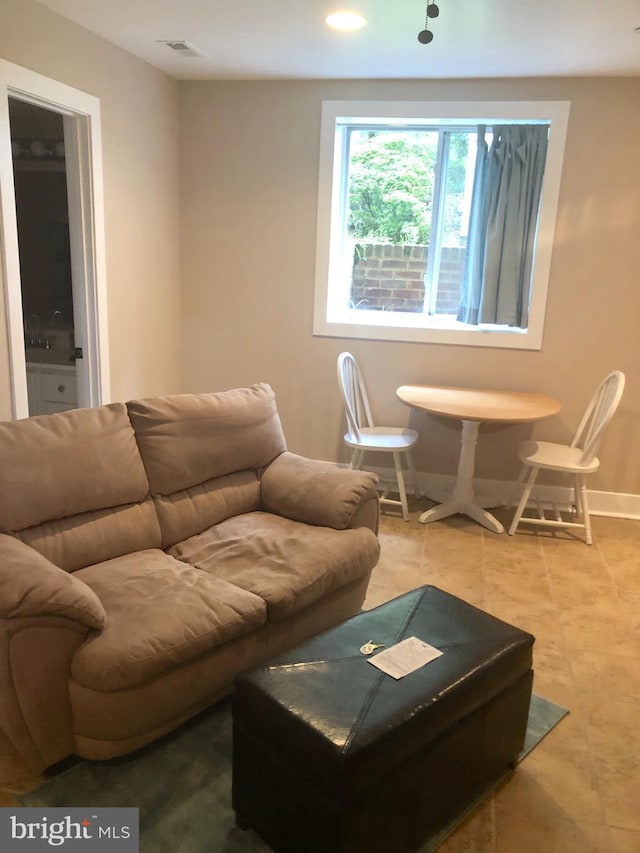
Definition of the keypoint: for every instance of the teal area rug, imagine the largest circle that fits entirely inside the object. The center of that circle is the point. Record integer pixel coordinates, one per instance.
(182, 785)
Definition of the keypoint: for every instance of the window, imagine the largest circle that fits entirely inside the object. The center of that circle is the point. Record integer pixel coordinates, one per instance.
(424, 234)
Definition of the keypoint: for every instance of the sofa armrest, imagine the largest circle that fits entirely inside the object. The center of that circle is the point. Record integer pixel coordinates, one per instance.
(320, 493)
(32, 586)
(35, 668)
(45, 614)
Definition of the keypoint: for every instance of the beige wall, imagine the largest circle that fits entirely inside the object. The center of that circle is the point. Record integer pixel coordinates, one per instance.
(249, 166)
(139, 111)
(247, 157)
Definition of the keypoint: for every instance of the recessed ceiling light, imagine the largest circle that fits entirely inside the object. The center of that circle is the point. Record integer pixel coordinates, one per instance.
(345, 21)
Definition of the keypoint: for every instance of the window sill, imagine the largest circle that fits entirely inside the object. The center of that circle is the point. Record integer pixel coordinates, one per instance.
(416, 328)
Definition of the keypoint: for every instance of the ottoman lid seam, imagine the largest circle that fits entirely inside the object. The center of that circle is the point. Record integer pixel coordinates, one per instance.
(366, 705)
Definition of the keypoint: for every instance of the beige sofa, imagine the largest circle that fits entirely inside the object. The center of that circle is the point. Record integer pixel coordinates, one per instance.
(150, 551)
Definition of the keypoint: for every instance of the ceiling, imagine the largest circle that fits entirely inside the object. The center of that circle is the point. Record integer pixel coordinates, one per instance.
(245, 39)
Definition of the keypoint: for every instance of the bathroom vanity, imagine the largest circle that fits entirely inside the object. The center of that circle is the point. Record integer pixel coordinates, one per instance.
(51, 387)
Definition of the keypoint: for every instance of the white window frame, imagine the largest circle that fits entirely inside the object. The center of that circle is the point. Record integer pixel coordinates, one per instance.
(421, 328)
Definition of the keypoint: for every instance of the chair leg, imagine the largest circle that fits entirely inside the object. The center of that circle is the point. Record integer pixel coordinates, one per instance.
(526, 492)
(581, 495)
(516, 490)
(356, 458)
(397, 459)
(577, 496)
(414, 477)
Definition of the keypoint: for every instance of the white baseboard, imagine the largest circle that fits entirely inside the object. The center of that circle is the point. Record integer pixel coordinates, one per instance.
(615, 504)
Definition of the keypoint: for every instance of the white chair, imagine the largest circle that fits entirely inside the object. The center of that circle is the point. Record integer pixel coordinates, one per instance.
(578, 458)
(363, 435)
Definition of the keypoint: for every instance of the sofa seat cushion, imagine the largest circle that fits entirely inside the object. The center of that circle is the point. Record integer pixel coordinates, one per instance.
(287, 563)
(160, 613)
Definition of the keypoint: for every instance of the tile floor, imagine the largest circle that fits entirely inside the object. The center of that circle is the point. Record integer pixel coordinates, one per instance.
(579, 791)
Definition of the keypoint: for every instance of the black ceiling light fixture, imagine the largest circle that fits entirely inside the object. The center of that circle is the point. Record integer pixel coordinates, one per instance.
(425, 35)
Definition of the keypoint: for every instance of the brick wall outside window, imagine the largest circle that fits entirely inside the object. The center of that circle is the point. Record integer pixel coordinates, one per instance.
(392, 277)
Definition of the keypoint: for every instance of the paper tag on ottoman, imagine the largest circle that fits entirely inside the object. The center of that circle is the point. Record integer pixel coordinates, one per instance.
(405, 657)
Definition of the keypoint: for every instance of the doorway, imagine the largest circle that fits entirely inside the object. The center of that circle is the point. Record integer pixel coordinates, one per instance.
(42, 217)
(52, 244)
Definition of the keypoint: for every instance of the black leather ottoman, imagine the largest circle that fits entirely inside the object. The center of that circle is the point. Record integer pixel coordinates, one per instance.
(330, 754)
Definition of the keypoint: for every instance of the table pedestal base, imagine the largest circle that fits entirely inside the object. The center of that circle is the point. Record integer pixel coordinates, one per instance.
(473, 510)
(463, 500)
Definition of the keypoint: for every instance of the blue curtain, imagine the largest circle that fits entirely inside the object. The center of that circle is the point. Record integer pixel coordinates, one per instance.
(502, 227)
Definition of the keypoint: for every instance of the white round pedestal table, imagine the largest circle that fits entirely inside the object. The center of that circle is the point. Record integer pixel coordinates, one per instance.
(474, 406)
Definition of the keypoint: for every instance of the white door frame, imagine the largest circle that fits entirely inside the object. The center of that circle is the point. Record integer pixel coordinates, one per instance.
(83, 154)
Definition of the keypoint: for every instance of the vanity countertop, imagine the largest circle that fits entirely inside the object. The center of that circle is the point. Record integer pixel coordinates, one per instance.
(55, 357)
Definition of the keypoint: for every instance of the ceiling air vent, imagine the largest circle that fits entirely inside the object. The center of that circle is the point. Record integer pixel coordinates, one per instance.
(184, 48)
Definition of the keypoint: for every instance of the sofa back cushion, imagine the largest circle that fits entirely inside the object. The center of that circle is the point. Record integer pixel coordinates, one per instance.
(191, 511)
(187, 439)
(94, 537)
(54, 466)
(72, 485)
(203, 454)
